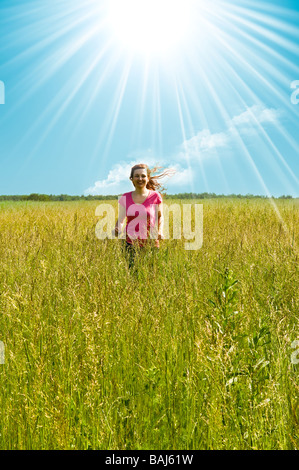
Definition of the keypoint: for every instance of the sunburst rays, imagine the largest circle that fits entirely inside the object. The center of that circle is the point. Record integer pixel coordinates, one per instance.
(238, 54)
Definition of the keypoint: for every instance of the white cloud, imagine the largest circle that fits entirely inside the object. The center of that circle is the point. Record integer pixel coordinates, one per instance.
(181, 177)
(115, 181)
(205, 141)
(246, 123)
(203, 144)
(255, 115)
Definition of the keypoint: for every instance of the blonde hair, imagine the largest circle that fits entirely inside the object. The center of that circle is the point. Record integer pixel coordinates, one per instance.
(153, 182)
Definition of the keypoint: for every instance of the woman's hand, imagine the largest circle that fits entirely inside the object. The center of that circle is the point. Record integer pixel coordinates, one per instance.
(115, 232)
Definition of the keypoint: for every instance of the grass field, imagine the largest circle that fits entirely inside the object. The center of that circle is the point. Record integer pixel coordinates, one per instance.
(190, 351)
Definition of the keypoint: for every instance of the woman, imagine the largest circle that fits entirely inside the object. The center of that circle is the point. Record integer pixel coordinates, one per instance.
(143, 210)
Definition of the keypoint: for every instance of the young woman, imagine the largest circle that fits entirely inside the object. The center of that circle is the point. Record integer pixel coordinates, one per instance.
(143, 210)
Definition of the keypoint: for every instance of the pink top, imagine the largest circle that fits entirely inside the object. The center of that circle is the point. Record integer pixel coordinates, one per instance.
(142, 219)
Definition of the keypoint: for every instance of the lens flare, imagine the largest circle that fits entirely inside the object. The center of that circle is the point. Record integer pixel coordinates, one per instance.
(149, 27)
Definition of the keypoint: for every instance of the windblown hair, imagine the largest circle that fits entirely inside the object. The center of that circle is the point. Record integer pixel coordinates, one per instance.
(153, 182)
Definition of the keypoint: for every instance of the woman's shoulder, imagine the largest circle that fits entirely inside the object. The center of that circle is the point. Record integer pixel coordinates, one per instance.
(124, 198)
(157, 196)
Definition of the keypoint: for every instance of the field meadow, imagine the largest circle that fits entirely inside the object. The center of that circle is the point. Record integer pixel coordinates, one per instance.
(189, 350)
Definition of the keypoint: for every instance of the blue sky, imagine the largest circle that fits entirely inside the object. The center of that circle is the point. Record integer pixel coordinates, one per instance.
(206, 89)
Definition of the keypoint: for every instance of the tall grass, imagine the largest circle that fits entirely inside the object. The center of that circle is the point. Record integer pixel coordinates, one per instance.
(189, 351)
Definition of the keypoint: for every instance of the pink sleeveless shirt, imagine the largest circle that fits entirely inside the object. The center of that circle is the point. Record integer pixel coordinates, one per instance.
(142, 219)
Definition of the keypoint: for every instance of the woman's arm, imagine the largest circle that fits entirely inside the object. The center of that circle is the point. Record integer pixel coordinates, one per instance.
(120, 220)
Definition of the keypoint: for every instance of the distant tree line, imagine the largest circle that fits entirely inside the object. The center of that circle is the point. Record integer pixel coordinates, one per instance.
(53, 197)
(66, 197)
(213, 195)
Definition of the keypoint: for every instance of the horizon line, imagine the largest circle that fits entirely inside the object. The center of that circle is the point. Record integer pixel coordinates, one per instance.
(192, 194)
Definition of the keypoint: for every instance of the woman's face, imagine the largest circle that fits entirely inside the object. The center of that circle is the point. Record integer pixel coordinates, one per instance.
(140, 178)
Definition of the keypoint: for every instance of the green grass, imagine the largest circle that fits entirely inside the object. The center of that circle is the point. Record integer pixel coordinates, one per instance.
(190, 351)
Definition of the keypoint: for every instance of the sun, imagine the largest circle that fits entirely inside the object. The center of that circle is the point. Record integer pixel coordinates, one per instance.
(149, 27)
